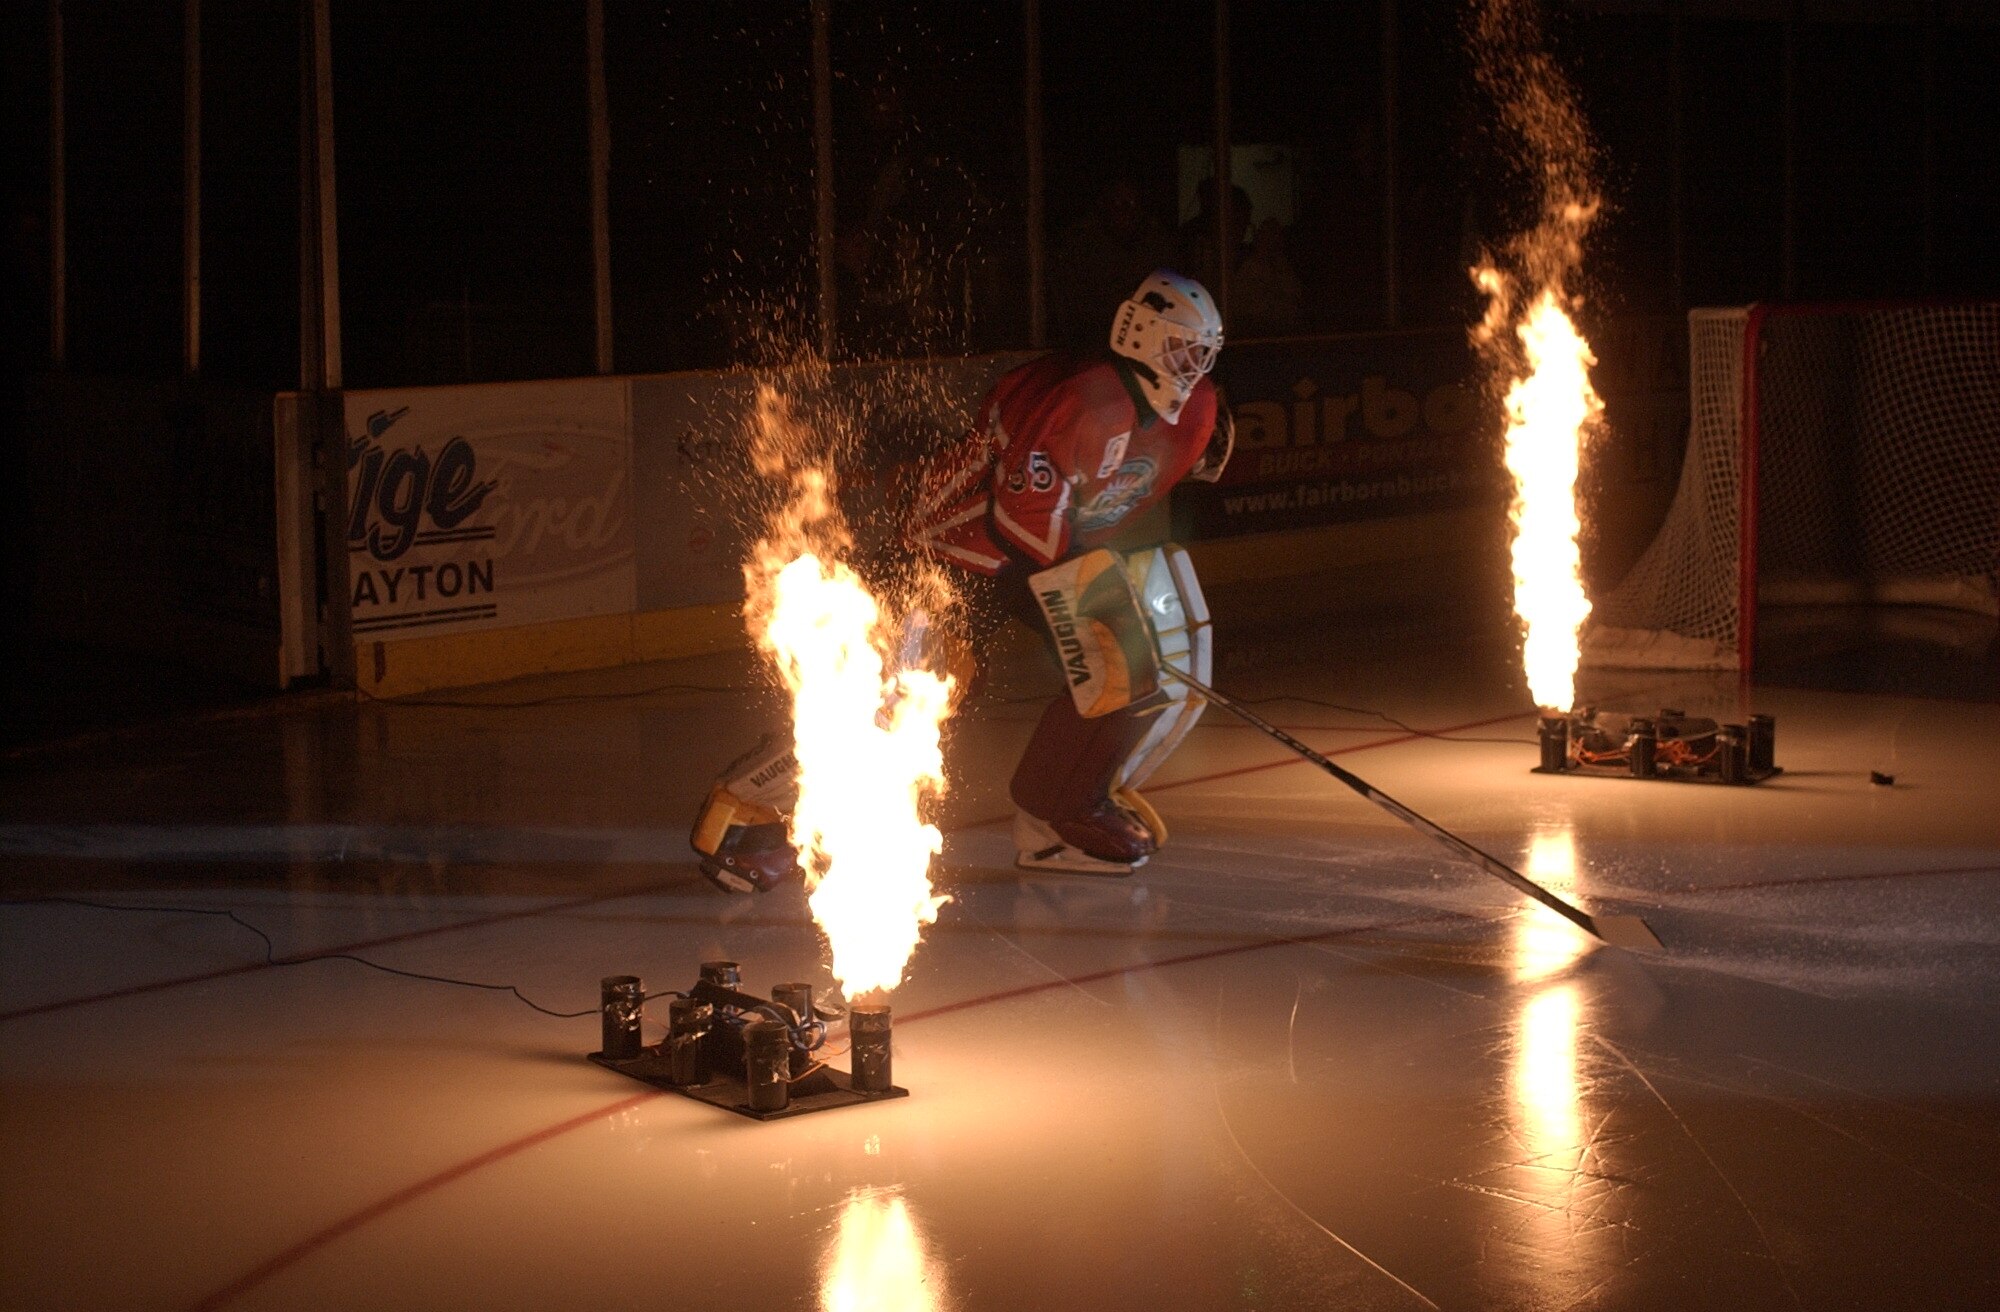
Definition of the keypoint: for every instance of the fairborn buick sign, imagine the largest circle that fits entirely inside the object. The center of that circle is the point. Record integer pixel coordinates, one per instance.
(488, 507)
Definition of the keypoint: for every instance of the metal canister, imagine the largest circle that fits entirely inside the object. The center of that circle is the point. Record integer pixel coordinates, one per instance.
(767, 1068)
(688, 1022)
(1732, 753)
(726, 974)
(1555, 743)
(797, 999)
(1642, 749)
(622, 998)
(868, 1035)
(1763, 744)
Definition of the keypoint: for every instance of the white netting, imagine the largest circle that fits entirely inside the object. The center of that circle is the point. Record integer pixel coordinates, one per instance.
(1676, 608)
(1877, 447)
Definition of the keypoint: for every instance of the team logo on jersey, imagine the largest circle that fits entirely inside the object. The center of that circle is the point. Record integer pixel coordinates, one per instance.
(1114, 454)
(1132, 484)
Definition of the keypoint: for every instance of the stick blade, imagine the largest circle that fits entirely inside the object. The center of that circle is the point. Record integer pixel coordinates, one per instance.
(1627, 932)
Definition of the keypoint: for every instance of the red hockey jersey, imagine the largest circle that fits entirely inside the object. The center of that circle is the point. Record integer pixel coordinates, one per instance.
(1064, 450)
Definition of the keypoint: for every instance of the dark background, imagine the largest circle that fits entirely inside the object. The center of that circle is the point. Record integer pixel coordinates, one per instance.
(1821, 149)
(463, 186)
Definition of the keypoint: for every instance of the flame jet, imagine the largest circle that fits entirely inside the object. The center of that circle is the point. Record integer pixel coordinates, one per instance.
(866, 724)
(1528, 337)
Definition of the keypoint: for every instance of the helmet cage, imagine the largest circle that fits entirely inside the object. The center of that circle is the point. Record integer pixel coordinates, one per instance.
(1184, 359)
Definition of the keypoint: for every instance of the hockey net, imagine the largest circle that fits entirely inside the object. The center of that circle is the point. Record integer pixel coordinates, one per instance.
(1838, 456)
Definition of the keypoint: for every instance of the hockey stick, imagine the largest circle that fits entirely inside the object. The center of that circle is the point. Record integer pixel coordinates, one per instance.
(1619, 931)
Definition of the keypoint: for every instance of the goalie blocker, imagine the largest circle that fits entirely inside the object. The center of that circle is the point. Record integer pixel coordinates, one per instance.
(1113, 623)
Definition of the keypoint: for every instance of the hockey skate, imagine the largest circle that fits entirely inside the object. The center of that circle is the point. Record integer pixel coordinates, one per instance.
(1109, 840)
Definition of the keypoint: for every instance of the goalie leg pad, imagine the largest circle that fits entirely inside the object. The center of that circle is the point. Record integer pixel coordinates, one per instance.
(1165, 583)
(1070, 767)
(742, 833)
(1079, 766)
(1103, 636)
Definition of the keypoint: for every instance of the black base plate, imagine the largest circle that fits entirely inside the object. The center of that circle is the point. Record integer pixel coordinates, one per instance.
(1669, 775)
(821, 1091)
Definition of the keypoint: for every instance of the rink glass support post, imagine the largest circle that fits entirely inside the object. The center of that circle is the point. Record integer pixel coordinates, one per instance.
(824, 249)
(600, 182)
(58, 193)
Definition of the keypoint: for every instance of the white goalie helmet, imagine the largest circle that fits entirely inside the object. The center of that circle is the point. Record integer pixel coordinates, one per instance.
(1171, 327)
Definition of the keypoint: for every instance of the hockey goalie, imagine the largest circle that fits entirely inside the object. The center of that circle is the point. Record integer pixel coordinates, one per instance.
(1065, 449)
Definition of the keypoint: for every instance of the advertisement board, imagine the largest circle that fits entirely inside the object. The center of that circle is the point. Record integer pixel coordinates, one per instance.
(691, 466)
(1340, 429)
(488, 507)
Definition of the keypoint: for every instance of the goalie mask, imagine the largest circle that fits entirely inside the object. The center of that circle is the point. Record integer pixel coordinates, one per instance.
(1172, 331)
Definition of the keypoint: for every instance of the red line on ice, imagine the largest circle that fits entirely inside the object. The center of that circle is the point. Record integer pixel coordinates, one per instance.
(355, 1220)
(411, 1193)
(250, 967)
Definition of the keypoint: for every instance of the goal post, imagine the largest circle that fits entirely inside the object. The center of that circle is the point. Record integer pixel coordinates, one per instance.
(1839, 455)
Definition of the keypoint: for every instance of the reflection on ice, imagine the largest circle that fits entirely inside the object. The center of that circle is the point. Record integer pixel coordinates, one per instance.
(1544, 1074)
(1552, 1174)
(1550, 1123)
(1544, 943)
(878, 1262)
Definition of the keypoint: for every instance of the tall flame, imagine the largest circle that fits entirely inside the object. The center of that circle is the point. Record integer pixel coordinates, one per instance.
(1529, 337)
(866, 730)
(1549, 412)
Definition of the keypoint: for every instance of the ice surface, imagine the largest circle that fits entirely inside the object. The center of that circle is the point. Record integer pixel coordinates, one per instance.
(1302, 1059)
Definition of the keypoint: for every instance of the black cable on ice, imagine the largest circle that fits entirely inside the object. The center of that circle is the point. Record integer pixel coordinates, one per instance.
(271, 957)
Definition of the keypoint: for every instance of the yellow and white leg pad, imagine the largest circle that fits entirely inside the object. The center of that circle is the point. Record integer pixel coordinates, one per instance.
(741, 833)
(1171, 596)
(1038, 847)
